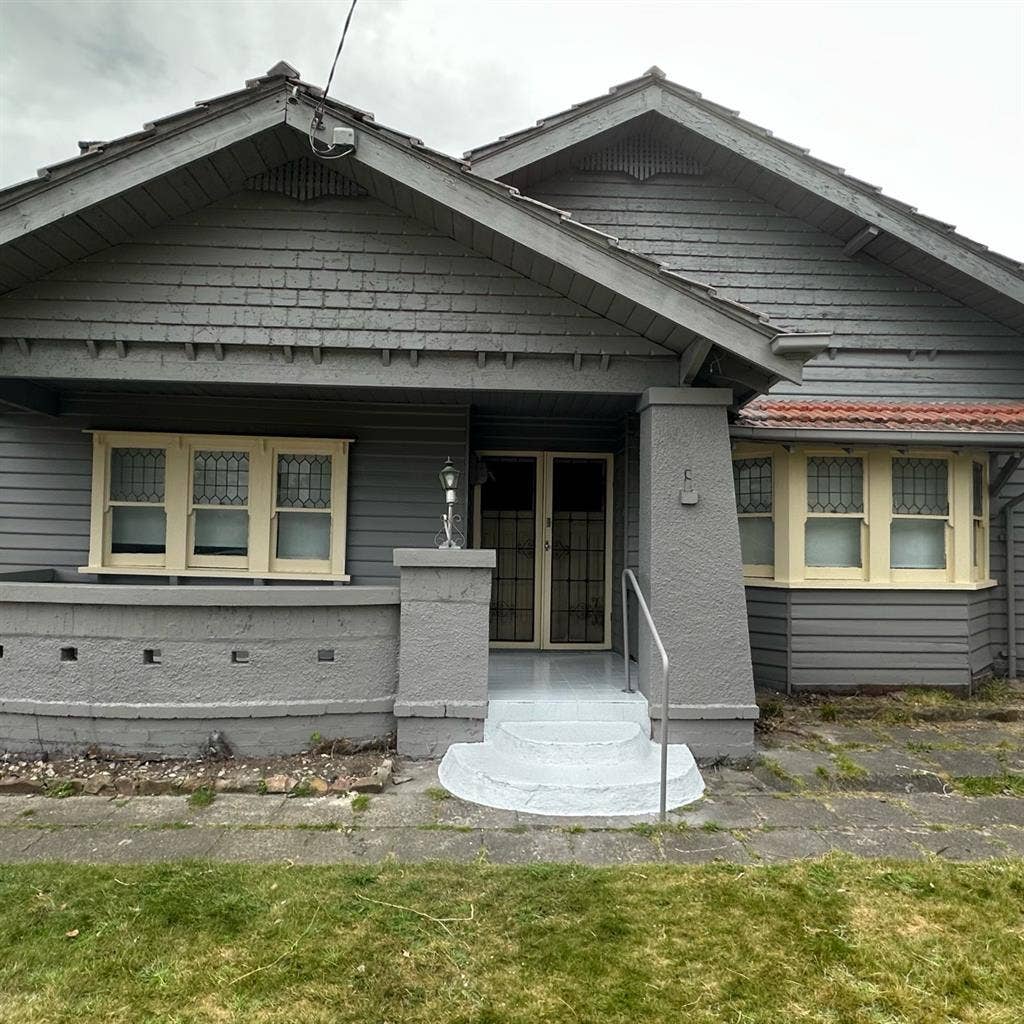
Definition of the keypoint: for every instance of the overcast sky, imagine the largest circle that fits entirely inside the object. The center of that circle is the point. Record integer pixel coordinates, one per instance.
(925, 99)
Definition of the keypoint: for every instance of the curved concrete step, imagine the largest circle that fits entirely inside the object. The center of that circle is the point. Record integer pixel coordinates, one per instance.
(573, 743)
(631, 708)
(483, 774)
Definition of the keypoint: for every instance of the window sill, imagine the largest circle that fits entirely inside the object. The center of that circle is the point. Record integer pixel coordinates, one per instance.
(210, 574)
(847, 584)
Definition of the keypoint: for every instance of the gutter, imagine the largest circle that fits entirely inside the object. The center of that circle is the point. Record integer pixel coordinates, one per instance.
(948, 438)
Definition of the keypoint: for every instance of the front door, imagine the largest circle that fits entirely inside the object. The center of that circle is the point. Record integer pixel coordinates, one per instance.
(548, 516)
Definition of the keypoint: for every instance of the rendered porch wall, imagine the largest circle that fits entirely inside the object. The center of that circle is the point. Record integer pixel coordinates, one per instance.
(393, 493)
(247, 662)
(863, 639)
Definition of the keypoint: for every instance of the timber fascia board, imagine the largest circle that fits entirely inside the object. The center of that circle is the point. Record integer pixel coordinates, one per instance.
(567, 242)
(169, 148)
(546, 140)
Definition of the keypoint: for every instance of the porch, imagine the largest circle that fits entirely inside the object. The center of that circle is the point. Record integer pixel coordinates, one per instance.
(122, 650)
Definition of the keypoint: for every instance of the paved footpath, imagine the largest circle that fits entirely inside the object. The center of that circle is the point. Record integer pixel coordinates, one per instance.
(744, 818)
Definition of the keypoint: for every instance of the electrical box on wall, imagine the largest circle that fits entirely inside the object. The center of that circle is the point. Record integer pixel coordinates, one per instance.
(687, 495)
(344, 137)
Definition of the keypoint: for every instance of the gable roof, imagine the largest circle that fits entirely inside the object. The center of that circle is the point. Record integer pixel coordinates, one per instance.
(70, 211)
(884, 227)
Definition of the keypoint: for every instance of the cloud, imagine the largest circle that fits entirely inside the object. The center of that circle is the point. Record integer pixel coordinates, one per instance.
(459, 73)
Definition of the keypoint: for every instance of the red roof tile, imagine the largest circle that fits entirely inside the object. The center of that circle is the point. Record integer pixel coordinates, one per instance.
(784, 413)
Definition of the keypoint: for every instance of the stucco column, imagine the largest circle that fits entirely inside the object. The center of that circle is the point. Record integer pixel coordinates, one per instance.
(443, 648)
(691, 573)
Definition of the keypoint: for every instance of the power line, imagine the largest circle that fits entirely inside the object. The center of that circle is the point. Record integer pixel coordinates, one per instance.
(317, 123)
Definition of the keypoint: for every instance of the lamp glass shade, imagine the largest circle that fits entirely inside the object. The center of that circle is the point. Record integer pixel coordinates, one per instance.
(449, 476)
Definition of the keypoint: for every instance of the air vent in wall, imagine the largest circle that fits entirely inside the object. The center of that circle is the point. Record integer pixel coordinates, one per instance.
(304, 179)
(641, 156)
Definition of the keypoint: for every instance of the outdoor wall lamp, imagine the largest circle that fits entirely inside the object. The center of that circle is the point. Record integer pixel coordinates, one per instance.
(449, 477)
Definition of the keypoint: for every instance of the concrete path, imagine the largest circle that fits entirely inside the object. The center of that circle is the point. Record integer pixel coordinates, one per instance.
(742, 819)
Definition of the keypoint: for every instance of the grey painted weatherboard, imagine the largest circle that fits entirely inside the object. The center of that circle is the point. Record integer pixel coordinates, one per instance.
(850, 639)
(997, 596)
(894, 337)
(394, 497)
(768, 622)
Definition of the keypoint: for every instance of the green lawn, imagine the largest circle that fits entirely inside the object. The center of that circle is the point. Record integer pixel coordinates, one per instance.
(840, 940)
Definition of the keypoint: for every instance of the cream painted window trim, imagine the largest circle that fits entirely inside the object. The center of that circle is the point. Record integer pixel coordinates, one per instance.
(751, 581)
(789, 468)
(261, 562)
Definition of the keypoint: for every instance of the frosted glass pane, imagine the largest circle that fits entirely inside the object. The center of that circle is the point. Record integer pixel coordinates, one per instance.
(833, 543)
(918, 544)
(221, 531)
(137, 531)
(304, 535)
(757, 541)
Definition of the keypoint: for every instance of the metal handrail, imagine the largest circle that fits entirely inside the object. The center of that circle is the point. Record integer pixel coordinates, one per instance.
(629, 577)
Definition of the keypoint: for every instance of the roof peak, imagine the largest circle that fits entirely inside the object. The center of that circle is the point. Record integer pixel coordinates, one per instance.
(654, 72)
(282, 69)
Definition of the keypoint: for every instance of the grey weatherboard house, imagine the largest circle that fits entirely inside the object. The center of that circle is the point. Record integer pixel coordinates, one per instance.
(650, 334)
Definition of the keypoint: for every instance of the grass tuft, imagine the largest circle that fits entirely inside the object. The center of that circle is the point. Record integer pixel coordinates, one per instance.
(776, 769)
(848, 769)
(202, 797)
(437, 793)
(360, 802)
(60, 790)
(990, 785)
(995, 691)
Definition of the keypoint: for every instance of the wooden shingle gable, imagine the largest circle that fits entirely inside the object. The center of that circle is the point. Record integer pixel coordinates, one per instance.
(919, 245)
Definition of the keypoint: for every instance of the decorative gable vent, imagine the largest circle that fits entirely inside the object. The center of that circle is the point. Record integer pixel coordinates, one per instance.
(641, 156)
(304, 179)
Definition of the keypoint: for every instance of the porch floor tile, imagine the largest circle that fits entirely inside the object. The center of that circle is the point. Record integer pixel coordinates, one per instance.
(558, 676)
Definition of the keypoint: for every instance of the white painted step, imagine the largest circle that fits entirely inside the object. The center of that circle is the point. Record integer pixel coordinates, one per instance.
(631, 708)
(569, 767)
(578, 743)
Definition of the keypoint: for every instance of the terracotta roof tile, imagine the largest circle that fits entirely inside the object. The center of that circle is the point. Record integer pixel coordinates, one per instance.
(784, 413)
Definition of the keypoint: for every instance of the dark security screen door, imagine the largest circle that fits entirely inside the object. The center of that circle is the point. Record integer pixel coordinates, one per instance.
(508, 523)
(578, 551)
(546, 514)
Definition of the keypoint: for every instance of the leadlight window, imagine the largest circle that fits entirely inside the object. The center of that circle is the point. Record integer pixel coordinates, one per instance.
(979, 518)
(303, 507)
(835, 512)
(920, 513)
(174, 504)
(871, 517)
(220, 506)
(135, 510)
(754, 484)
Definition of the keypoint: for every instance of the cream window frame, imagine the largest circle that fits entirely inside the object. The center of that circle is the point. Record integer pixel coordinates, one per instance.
(947, 573)
(178, 558)
(240, 562)
(763, 570)
(790, 510)
(837, 572)
(980, 523)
